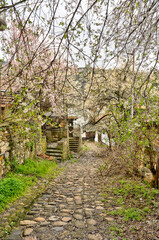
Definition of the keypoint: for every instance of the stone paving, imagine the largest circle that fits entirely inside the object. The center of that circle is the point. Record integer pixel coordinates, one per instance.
(71, 208)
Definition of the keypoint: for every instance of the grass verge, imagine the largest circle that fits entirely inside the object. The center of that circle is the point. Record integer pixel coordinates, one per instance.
(131, 209)
(23, 177)
(37, 167)
(131, 199)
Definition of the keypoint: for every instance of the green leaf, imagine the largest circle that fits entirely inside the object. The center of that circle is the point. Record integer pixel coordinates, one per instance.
(65, 35)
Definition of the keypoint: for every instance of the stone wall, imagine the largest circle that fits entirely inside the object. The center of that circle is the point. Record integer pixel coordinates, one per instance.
(18, 143)
(4, 149)
(63, 144)
(80, 142)
(55, 134)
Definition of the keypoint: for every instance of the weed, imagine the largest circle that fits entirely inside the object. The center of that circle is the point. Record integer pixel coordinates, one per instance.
(102, 145)
(71, 156)
(129, 214)
(132, 229)
(115, 229)
(105, 196)
(120, 201)
(85, 148)
(103, 168)
(30, 145)
(14, 163)
(122, 181)
(138, 199)
(147, 210)
(132, 189)
(7, 162)
(73, 160)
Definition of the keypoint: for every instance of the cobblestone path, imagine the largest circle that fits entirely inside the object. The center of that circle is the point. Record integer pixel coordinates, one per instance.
(71, 208)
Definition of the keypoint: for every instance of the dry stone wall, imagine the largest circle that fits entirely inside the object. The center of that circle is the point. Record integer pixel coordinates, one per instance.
(15, 146)
(64, 146)
(4, 148)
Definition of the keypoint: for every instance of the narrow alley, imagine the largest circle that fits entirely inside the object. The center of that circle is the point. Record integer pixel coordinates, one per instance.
(71, 208)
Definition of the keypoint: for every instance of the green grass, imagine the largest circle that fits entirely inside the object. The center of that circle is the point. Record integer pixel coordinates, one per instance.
(134, 199)
(120, 201)
(18, 182)
(12, 187)
(129, 214)
(115, 230)
(131, 189)
(37, 168)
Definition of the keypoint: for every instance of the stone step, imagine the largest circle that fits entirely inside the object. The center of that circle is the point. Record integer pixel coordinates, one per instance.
(56, 150)
(58, 158)
(74, 150)
(73, 144)
(54, 153)
(52, 139)
(71, 147)
(73, 140)
(73, 137)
